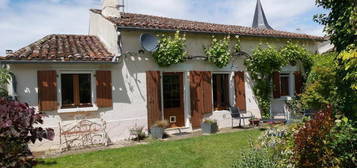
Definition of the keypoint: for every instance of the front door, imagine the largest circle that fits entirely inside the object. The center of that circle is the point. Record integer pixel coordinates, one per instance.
(173, 98)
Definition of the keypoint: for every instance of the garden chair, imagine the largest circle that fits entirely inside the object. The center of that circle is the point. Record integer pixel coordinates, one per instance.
(236, 113)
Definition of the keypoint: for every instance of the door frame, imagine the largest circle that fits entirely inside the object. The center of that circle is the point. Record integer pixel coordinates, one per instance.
(182, 96)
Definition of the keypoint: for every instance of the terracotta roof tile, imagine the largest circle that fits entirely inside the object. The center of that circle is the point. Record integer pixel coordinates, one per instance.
(140, 21)
(63, 48)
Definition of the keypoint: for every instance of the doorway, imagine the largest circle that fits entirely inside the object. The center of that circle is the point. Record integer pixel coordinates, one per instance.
(172, 85)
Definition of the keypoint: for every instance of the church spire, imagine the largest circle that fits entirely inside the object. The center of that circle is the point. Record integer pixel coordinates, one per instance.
(260, 21)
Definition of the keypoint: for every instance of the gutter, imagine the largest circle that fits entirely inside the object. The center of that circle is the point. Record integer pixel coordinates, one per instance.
(55, 62)
(207, 32)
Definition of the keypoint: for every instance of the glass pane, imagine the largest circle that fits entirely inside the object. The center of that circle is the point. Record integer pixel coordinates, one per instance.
(171, 91)
(85, 94)
(284, 85)
(67, 89)
(220, 91)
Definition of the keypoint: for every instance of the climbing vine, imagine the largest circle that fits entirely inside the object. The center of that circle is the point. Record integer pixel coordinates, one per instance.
(261, 66)
(219, 52)
(293, 52)
(171, 50)
(265, 61)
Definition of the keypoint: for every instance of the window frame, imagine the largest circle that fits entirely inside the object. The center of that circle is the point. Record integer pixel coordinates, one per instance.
(229, 89)
(92, 107)
(285, 75)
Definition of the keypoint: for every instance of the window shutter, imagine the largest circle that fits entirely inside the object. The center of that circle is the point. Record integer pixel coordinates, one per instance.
(298, 82)
(276, 85)
(104, 88)
(153, 89)
(240, 90)
(201, 96)
(47, 90)
(207, 92)
(196, 98)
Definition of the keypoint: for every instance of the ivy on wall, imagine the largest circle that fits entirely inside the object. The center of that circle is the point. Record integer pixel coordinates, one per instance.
(265, 61)
(171, 50)
(219, 52)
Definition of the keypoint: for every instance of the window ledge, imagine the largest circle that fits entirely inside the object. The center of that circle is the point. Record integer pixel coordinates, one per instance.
(284, 98)
(78, 109)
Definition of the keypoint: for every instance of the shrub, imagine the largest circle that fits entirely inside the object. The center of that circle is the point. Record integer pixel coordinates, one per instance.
(343, 142)
(257, 158)
(210, 121)
(310, 149)
(321, 85)
(17, 128)
(280, 141)
(162, 123)
(138, 133)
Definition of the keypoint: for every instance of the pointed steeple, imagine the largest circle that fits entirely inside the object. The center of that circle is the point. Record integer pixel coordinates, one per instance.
(260, 21)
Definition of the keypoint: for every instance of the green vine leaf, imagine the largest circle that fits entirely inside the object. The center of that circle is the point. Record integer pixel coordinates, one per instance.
(171, 50)
(219, 52)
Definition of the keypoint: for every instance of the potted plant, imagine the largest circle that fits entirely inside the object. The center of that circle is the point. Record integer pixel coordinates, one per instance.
(254, 121)
(209, 126)
(157, 131)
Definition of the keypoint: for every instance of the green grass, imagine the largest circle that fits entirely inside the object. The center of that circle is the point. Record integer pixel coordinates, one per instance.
(216, 151)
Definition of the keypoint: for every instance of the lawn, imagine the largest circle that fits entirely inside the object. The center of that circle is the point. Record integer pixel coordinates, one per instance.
(216, 151)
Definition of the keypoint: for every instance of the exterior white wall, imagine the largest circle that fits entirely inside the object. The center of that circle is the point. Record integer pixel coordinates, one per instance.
(106, 31)
(129, 80)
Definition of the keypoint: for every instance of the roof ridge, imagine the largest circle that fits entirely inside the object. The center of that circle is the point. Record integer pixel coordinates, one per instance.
(113, 19)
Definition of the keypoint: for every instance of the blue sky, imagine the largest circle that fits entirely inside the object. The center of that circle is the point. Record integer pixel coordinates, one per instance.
(25, 21)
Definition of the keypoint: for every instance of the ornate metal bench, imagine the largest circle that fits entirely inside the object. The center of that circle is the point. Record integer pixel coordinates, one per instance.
(82, 133)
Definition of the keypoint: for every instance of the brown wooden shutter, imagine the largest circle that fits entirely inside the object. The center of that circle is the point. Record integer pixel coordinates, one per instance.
(153, 88)
(276, 85)
(207, 92)
(240, 90)
(47, 90)
(104, 88)
(201, 96)
(298, 82)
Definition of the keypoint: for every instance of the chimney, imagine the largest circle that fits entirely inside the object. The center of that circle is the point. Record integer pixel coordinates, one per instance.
(8, 52)
(110, 8)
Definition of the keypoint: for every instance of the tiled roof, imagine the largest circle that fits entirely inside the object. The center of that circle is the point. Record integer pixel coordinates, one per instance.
(63, 48)
(140, 21)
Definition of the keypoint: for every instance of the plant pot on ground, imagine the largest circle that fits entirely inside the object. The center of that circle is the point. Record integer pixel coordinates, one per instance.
(254, 121)
(209, 126)
(158, 130)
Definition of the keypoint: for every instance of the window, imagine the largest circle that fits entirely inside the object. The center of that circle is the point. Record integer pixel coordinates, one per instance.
(220, 91)
(284, 85)
(171, 88)
(76, 90)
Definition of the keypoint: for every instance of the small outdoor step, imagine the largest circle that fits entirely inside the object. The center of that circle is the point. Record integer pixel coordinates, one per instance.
(178, 131)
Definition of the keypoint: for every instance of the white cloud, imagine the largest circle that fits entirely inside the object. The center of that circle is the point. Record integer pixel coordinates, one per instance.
(30, 21)
(168, 8)
(4, 4)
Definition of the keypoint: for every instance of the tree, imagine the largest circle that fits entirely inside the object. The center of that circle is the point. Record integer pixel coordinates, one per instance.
(19, 125)
(340, 22)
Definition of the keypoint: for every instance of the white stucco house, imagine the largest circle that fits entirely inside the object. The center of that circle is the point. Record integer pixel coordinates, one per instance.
(107, 75)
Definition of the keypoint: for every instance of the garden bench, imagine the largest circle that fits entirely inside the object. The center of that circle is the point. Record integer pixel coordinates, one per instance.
(82, 133)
